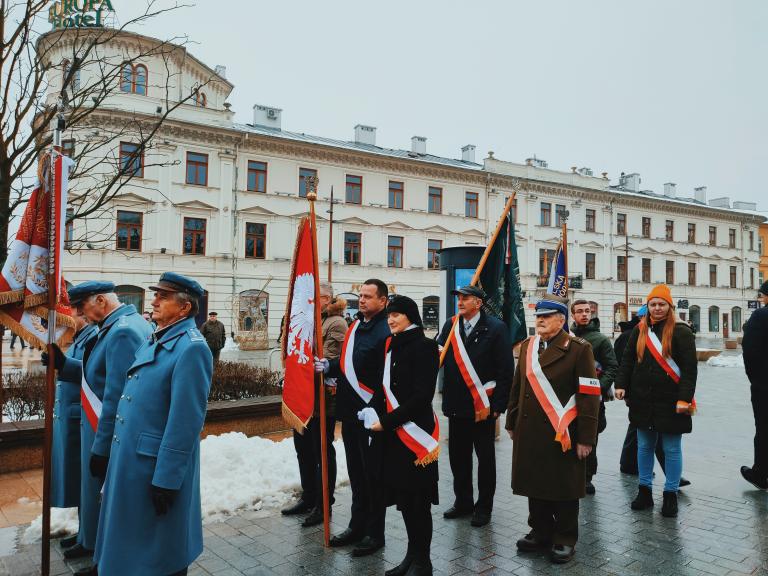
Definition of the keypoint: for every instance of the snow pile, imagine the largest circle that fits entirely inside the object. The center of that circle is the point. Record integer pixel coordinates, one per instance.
(726, 361)
(63, 523)
(239, 473)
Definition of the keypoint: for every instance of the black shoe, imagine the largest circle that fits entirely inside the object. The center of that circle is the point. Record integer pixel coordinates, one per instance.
(90, 571)
(749, 475)
(301, 507)
(346, 538)
(456, 512)
(480, 518)
(590, 488)
(560, 553)
(529, 543)
(315, 518)
(77, 551)
(630, 471)
(643, 500)
(669, 507)
(367, 546)
(684, 482)
(401, 568)
(68, 542)
(420, 567)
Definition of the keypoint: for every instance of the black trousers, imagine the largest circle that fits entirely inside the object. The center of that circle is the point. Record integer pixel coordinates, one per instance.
(628, 462)
(215, 352)
(314, 431)
(305, 454)
(416, 509)
(555, 521)
(464, 435)
(364, 462)
(760, 410)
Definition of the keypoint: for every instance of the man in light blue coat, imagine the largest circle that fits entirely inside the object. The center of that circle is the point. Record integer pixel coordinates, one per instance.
(65, 453)
(102, 371)
(150, 523)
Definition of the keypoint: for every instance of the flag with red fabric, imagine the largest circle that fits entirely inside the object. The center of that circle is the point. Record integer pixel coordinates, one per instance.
(299, 333)
(24, 276)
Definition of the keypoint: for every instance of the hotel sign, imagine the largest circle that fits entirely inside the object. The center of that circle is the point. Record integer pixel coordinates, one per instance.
(79, 13)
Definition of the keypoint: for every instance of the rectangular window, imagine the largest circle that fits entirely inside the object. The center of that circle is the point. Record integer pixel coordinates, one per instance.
(732, 277)
(621, 224)
(546, 214)
(513, 210)
(257, 176)
(713, 235)
(713, 275)
(68, 148)
(691, 273)
(646, 227)
(646, 271)
(396, 190)
(590, 266)
(194, 236)
(559, 214)
(395, 251)
(471, 204)
(731, 238)
(354, 189)
(255, 240)
(691, 233)
(197, 169)
(591, 219)
(69, 229)
(621, 268)
(670, 272)
(751, 240)
(752, 278)
(545, 261)
(352, 243)
(435, 201)
(305, 173)
(131, 160)
(669, 230)
(433, 258)
(129, 225)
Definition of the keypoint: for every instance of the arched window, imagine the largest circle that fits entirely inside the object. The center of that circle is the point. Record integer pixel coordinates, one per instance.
(714, 319)
(695, 314)
(736, 319)
(74, 83)
(133, 79)
(619, 315)
(201, 100)
(131, 295)
(431, 312)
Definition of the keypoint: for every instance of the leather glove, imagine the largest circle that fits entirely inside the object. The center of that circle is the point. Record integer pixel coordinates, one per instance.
(58, 357)
(98, 466)
(322, 365)
(162, 499)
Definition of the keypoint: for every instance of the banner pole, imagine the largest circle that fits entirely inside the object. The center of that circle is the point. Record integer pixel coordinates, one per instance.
(312, 196)
(481, 265)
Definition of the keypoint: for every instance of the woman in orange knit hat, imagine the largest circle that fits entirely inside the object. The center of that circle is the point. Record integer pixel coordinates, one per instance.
(657, 378)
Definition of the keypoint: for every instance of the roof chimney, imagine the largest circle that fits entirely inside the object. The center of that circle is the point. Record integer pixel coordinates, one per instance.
(537, 162)
(468, 153)
(723, 202)
(419, 145)
(700, 194)
(584, 171)
(221, 71)
(670, 189)
(365, 135)
(266, 116)
(630, 182)
(739, 205)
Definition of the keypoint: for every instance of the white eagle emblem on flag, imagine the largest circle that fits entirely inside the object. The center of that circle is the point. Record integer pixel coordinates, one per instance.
(302, 326)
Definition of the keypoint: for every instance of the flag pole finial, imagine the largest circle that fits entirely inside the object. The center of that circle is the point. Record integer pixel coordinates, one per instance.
(311, 187)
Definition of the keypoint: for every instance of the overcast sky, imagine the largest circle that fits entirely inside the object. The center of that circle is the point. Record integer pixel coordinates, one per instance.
(675, 90)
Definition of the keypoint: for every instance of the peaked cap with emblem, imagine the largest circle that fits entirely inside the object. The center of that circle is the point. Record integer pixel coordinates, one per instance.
(173, 282)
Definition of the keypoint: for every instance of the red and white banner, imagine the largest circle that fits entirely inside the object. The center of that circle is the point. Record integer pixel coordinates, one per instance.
(479, 391)
(559, 416)
(425, 446)
(348, 367)
(91, 404)
(299, 338)
(24, 277)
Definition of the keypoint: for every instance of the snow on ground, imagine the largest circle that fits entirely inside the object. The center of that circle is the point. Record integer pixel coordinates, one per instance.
(236, 473)
(726, 361)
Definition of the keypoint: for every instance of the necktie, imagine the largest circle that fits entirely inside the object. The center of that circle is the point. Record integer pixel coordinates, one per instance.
(467, 329)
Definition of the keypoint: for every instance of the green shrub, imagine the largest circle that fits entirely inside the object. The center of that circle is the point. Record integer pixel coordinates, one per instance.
(236, 380)
(23, 395)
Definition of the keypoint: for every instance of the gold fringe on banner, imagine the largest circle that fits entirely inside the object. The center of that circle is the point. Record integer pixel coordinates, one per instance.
(11, 297)
(292, 420)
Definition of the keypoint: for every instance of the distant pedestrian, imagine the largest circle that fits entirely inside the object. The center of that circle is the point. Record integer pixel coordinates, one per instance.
(215, 334)
(13, 340)
(657, 377)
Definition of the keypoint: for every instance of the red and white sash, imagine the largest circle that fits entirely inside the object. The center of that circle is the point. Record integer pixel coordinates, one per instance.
(91, 404)
(667, 364)
(425, 446)
(479, 391)
(348, 367)
(559, 416)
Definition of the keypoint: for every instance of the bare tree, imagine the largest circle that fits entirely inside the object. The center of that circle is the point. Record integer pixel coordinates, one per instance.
(76, 74)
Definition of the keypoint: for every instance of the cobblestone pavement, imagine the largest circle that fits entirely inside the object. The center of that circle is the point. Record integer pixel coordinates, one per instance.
(720, 529)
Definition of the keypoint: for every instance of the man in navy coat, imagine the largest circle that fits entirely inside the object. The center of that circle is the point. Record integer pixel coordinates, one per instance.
(151, 523)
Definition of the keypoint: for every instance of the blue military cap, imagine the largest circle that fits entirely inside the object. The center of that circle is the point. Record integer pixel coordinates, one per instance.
(173, 282)
(86, 289)
(550, 304)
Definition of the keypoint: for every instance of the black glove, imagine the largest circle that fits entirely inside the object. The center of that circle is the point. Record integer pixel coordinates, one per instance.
(98, 466)
(162, 499)
(58, 357)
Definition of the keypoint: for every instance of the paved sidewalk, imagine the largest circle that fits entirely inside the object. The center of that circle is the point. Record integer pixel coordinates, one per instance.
(720, 529)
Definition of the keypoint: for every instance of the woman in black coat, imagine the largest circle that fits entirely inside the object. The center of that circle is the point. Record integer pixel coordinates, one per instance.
(657, 377)
(410, 431)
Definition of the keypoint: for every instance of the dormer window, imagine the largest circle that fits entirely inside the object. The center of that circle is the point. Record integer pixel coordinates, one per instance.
(134, 79)
(201, 100)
